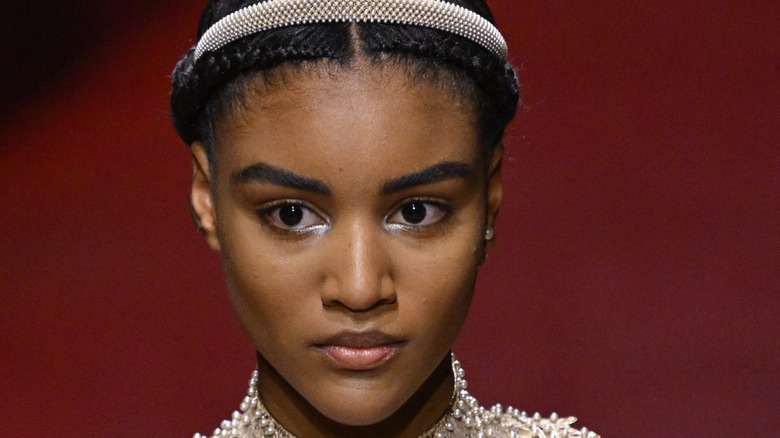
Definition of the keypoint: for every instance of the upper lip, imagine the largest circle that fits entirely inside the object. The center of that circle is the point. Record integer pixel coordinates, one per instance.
(351, 339)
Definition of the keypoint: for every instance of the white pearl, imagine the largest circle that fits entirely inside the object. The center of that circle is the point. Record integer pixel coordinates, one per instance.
(466, 416)
(436, 14)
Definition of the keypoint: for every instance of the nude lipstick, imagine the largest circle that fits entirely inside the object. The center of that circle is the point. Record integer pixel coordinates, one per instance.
(359, 351)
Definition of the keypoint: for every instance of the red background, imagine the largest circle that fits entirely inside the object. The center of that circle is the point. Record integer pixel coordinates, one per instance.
(635, 280)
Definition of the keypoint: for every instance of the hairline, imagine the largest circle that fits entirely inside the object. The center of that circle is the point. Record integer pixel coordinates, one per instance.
(233, 97)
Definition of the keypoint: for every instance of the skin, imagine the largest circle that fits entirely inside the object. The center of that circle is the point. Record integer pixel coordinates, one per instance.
(355, 135)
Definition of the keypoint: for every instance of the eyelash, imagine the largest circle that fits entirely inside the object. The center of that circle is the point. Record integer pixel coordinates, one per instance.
(445, 211)
(267, 213)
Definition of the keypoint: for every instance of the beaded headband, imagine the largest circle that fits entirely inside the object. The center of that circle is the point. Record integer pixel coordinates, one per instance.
(272, 14)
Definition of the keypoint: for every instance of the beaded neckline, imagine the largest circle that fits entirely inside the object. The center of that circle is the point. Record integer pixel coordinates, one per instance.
(465, 418)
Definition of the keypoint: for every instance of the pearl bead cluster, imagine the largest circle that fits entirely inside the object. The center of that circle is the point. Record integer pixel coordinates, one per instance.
(272, 14)
(251, 409)
(465, 418)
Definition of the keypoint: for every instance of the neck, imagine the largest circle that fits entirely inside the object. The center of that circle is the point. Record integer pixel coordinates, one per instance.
(426, 406)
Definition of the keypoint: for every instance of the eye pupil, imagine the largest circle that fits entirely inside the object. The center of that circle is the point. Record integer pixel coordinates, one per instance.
(414, 212)
(291, 214)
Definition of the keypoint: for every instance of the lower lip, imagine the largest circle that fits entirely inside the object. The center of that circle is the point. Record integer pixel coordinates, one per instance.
(357, 358)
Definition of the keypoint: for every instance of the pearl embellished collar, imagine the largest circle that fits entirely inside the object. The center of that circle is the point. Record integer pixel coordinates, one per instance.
(465, 418)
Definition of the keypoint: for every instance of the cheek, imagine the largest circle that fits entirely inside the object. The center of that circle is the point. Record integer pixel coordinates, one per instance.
(269, 292)
(440, 283)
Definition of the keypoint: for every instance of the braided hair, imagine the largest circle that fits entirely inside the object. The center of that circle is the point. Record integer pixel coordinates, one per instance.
(202, 87)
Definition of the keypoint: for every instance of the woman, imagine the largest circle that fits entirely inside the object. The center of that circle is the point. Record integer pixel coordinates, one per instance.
(346, 159)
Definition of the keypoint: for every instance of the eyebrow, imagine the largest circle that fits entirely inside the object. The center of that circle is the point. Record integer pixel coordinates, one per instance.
(437, 172)
(274, 175)
(270, 174)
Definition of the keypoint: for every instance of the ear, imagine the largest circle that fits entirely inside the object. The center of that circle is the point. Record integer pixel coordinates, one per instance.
(495, 190)
(202, 196)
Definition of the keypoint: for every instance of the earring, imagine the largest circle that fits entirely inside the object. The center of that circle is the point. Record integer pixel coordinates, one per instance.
(490, 233)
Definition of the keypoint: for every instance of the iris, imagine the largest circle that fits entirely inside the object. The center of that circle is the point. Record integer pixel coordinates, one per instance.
(414, 212)
(291, 214)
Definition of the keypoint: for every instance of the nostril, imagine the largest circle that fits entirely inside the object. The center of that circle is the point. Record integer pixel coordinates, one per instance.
(360, 291)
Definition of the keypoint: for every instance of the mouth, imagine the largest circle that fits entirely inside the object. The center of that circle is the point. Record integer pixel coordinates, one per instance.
(359, 351)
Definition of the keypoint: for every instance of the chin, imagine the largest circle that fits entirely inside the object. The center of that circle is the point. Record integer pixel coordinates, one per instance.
(359, 411)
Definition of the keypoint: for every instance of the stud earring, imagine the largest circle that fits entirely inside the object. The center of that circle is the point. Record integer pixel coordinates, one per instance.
(490, 233)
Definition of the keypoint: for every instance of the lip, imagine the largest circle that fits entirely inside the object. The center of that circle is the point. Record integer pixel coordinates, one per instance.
(357, 351)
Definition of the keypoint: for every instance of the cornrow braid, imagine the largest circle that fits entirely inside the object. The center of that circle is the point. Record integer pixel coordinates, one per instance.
(495, 78)
(481, 77)
(195, 84)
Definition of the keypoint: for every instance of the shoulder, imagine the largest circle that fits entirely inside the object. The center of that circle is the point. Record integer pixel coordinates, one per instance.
(513, 423)
(469, 419)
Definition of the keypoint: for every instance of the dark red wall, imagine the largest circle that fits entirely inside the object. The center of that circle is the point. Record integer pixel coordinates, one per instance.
(634, 284)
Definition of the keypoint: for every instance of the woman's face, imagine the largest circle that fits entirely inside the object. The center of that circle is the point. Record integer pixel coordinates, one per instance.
(349, 208)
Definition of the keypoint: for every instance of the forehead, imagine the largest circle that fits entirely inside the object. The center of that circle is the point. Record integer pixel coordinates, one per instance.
(323, 120)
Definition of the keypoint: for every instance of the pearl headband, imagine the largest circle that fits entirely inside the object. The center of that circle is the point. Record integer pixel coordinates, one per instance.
(272, 14)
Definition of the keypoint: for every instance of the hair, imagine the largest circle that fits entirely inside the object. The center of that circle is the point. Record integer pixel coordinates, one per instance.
(203, 89)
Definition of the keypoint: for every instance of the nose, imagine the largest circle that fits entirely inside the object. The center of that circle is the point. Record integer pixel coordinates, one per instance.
(359, 275)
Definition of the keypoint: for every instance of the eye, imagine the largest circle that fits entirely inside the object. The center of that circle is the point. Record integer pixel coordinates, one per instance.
(418, 213)
(292, 216)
